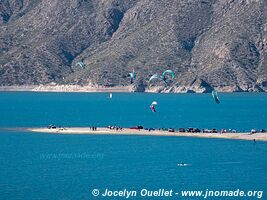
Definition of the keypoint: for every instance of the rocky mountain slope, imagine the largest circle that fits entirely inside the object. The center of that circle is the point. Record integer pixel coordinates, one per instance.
(208, 43)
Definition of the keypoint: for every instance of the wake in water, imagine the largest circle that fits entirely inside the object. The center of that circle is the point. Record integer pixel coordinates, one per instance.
(183, 164)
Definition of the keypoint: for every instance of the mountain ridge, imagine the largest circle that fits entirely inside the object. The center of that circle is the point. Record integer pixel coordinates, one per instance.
(207, 43)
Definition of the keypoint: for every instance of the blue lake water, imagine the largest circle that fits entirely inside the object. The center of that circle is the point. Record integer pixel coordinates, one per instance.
(69, 167)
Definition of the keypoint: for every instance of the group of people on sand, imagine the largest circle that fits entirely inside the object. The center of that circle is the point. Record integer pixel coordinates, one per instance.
(117, 128)
(93, 128)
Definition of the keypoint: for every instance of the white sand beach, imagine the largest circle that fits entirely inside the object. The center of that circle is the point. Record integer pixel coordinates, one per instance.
(127, 131)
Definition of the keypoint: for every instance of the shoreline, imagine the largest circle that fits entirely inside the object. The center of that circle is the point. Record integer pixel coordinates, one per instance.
(97, 89)
(142, 132)
(64, 88)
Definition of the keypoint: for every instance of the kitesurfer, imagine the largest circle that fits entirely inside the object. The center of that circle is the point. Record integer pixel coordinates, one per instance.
(215, 96)
(152, 107)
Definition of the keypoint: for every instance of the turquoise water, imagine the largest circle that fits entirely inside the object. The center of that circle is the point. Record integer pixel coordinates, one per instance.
(69, 167)
(241, 111)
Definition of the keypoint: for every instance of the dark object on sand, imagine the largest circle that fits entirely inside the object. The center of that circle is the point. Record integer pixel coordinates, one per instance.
(206, 130)
(182, 130)
(253, 131)
(214, 130)
(170, 130)
(51, 126)
(196, 130)
(193, 130)
(190, 130)
(137, 127)
(149, 129)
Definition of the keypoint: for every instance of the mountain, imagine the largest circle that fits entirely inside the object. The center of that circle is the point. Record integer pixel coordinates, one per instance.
(209, 44)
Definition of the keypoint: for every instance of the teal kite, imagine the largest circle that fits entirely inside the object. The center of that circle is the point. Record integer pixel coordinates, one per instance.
(81, 64)
(132, 76)
(164, 77)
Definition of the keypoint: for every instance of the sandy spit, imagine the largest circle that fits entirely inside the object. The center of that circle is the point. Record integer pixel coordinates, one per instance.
(127, 131)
